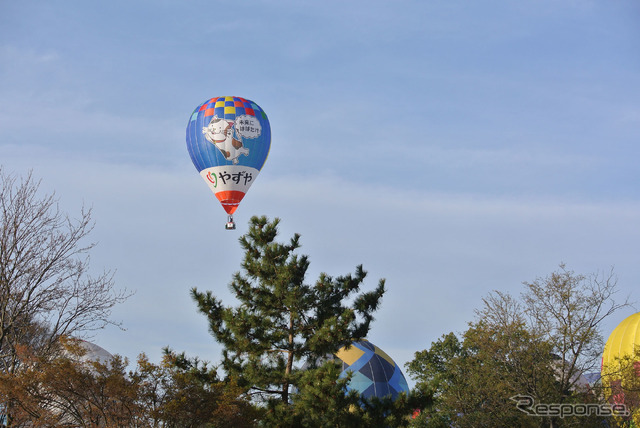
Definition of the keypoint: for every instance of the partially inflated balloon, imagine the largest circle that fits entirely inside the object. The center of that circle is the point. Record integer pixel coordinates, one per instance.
(622, 342)
(373, 372)
(229, 139)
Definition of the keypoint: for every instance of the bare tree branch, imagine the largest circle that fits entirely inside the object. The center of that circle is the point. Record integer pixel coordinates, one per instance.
(45, 287)
(567, 309)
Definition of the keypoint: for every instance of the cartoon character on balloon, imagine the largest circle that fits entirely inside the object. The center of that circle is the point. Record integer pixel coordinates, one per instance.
(221, 133)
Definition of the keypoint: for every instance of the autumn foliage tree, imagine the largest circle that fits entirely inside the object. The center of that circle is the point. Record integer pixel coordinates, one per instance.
(73, 390)
(183, 392)
(67, 389)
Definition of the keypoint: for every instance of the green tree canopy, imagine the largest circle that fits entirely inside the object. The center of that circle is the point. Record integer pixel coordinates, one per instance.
(537, 346)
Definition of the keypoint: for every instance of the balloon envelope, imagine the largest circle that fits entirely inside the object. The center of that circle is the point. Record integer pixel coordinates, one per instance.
(228, 139)
(374, 372)
(622, 341)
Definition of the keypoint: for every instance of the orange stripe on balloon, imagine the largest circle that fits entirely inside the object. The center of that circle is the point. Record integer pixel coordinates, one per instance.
(230, 199)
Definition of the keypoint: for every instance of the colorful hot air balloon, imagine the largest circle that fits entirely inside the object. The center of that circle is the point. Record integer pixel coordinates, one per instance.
(374, 373)
(228, 139)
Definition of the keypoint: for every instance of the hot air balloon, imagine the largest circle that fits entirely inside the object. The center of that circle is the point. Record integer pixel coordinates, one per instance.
(374, 373)
(620, 367)
(228, 139)
(623, 340)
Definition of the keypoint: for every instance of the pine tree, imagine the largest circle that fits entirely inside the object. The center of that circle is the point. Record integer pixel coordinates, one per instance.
(281, 321)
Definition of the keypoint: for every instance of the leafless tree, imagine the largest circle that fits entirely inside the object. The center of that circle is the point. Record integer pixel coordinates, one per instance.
(568, 310)
(46, 290)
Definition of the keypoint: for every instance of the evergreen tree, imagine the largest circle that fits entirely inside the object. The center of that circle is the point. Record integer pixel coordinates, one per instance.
(280, 320)
(325, 402)
(322, 402)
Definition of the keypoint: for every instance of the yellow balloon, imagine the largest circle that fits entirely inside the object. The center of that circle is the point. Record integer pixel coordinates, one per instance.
(623, 340)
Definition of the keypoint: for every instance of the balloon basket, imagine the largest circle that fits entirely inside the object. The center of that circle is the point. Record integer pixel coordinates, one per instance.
(230, 224)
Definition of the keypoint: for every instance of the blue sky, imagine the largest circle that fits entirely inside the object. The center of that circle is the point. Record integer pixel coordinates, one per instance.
(451, 147)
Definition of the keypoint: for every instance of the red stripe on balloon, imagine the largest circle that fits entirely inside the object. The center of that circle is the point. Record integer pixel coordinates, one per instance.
(230, 199)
